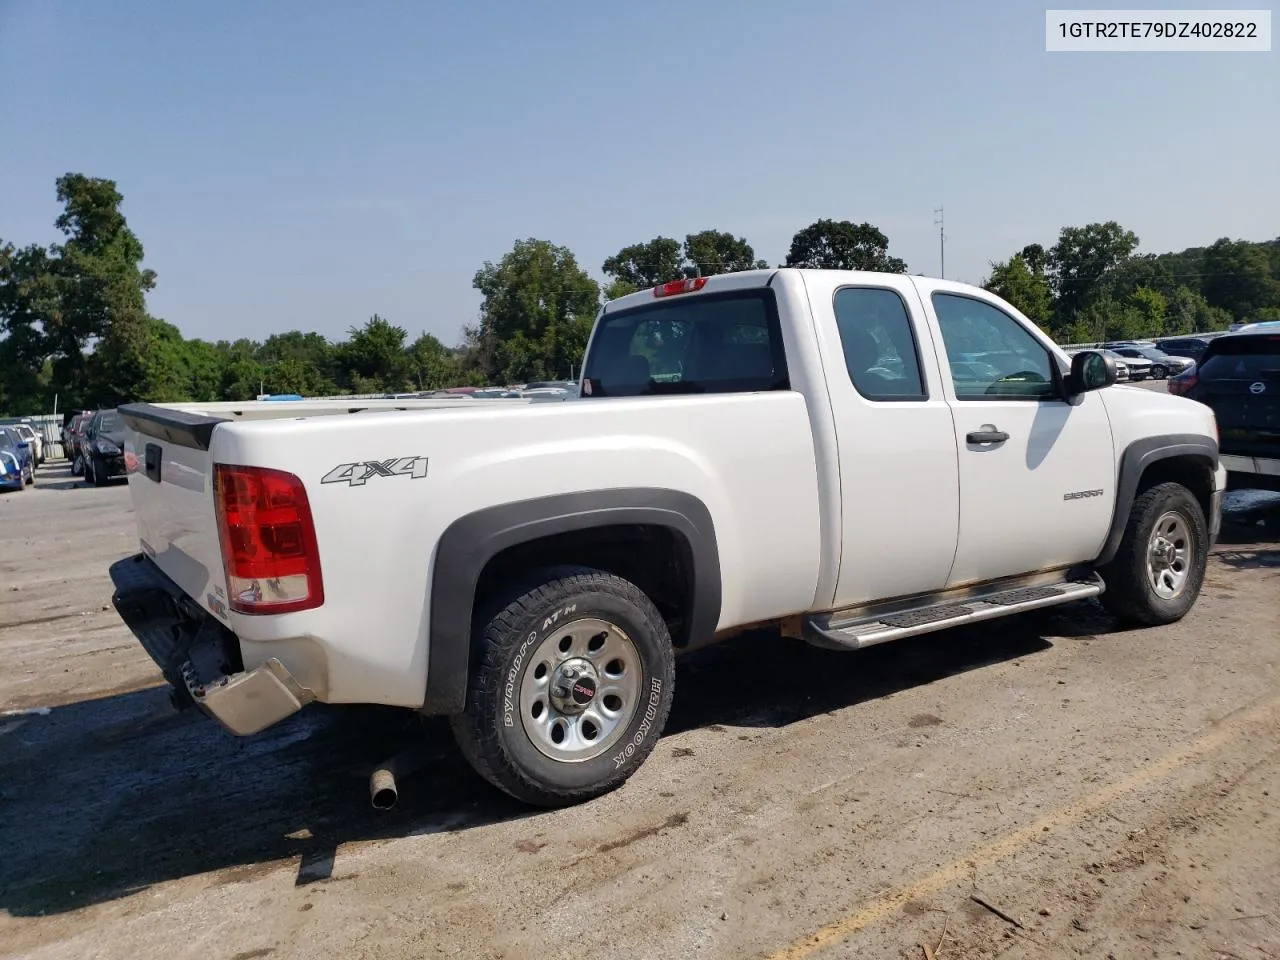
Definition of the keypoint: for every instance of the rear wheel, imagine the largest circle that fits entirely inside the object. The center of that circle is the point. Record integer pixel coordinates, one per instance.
(1159, 569)
(1159, 372)
(573, 687)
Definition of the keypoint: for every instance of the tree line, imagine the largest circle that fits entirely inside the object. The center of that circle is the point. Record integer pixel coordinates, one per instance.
(74, 321)
(1091, 285)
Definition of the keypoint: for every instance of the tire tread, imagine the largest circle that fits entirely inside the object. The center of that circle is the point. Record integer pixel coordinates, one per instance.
(1128, 596)
(475, 730)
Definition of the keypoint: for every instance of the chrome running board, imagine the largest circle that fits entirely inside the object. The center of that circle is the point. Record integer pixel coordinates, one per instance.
(882, 622)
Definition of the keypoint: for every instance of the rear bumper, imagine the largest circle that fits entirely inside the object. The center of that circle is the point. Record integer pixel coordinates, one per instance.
(13, 476)
(198, 656)
(110, 467)
(1246, 472)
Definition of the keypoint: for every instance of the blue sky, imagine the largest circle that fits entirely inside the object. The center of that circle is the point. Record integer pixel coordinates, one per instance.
(306, 164)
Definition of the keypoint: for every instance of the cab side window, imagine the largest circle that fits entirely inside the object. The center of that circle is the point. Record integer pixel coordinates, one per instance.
(879, 345)
(991, 355)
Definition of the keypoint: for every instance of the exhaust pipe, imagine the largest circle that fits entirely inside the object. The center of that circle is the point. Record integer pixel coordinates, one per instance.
(383, 788)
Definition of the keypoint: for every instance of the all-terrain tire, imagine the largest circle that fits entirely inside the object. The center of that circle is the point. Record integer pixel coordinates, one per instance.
(1131, 595)
(491, 733)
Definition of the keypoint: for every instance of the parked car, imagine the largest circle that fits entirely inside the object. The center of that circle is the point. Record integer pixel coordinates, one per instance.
(33, 437)
(102, 448)
(1239, 379)
(75, 441)
(1139, 368)
(1162, 365)
(1190, 348)
(532, 569)
(1262, 326)
(1122, 369)
(17, 463)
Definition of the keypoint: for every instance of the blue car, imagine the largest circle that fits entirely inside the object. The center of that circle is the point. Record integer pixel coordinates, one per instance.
(17, 462)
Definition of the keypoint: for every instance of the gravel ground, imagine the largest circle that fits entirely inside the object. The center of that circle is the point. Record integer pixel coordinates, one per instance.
(1107, 794)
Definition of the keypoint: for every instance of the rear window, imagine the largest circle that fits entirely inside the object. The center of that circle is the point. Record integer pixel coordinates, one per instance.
(701, 343)
(1246, 357)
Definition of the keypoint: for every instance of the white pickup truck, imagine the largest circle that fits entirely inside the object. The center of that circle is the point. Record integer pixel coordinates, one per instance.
(851, 457)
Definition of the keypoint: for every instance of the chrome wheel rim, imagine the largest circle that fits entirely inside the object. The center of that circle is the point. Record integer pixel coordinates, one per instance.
(1169, 556)
(580, 690)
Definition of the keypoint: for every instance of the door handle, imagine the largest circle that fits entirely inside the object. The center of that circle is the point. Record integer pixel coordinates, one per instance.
(987, 436)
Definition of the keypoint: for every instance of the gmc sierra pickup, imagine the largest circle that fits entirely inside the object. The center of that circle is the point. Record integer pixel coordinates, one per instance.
(851, 457)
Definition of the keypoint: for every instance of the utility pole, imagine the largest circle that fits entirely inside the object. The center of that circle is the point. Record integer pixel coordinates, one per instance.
(942, 243)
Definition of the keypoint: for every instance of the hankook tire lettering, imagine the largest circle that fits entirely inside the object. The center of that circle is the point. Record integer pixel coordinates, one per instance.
(655, 695)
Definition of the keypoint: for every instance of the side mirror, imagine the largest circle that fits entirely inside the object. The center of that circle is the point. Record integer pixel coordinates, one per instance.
(1090, 370)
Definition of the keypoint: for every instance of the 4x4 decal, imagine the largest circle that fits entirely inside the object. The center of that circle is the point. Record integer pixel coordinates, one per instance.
(357, 474)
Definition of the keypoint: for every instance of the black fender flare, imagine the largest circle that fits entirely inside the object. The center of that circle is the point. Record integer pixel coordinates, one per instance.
(471, 541)
(1136, 458)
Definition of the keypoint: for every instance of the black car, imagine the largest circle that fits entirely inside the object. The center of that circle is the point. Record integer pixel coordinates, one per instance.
(1192, 348)
(102, 447)
(1239, 378)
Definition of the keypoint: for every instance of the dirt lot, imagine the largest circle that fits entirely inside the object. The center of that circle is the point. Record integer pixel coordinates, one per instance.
(1113, 794)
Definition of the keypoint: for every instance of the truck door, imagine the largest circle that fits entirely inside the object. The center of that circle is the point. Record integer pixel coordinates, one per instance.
(1037, 471)
(899, 491)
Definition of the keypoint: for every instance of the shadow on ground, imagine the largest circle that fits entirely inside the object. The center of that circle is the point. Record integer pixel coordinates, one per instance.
(58, 476)
(1250, 537)
(103, 798)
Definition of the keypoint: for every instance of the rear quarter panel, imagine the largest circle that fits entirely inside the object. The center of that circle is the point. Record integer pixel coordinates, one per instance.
(749, 458)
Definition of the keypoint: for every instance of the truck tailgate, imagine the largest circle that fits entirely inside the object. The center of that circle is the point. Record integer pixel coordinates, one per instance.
(170, 485)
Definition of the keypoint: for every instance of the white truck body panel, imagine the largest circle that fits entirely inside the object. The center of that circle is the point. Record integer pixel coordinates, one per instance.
(898, 486)
(749, 458)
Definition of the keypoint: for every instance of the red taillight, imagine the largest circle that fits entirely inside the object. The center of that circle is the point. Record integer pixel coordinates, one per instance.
(1182, 384)
(680, 286)
(269, 551)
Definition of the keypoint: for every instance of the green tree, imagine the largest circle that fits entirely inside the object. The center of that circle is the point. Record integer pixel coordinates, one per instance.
(843, 245)
(28, 297)
(643, 265)
(204, 364)
(243, 374)
(373, 357)
(618, 288)
(305, 350)
(537, 313)
(1188, 312)
(1036, 257)
(1237, 278)
(102, 295)
(1081, 259)
(430, 365)
(1135, 272)
(1028, 291)
(714, 252)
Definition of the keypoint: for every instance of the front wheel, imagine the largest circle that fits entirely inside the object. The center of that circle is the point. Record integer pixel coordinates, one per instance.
(1159, 569)
(571, 692)
(99, 472)
(77, 465)
(1159, 373)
